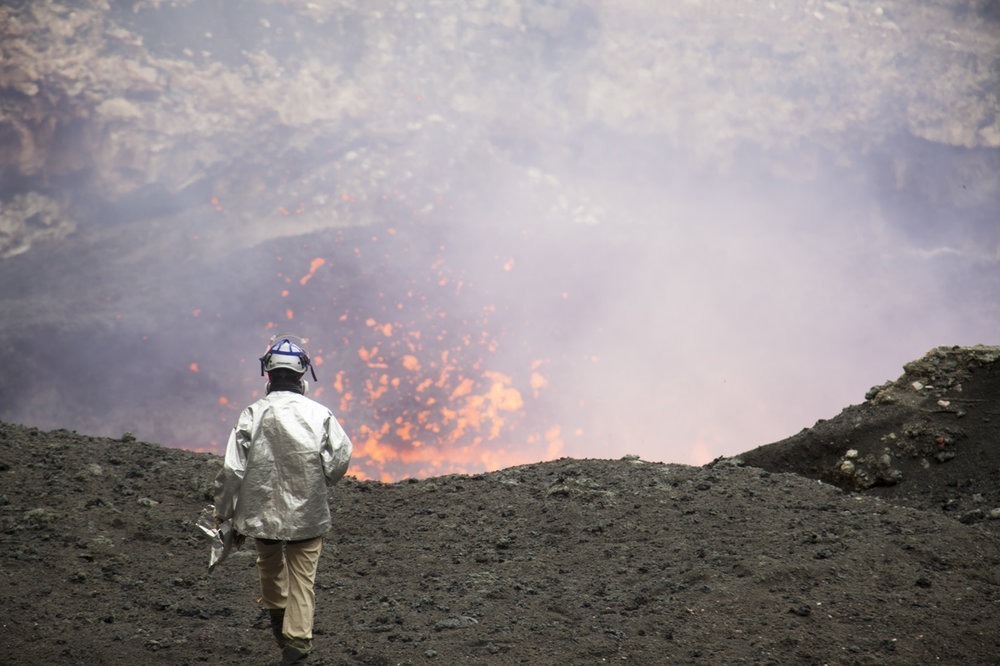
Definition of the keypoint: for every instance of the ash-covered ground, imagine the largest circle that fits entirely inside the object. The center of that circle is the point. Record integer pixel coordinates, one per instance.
(742, 561)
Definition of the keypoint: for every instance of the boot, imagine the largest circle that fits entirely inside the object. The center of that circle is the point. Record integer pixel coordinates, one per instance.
(277, 620)
(296, 651)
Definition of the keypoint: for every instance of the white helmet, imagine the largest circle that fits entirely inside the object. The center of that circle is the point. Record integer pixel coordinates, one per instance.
(286, 351)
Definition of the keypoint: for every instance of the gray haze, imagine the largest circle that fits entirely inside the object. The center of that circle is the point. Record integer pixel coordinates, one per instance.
(526, 229)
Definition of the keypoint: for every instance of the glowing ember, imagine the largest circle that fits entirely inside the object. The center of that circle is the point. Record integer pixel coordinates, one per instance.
(313, 267)
(424, 381)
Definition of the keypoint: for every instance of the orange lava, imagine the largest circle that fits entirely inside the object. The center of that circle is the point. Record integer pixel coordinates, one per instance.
(313, 267)
(420, 389)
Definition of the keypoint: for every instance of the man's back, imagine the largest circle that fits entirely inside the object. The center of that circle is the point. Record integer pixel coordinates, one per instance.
(288, 449)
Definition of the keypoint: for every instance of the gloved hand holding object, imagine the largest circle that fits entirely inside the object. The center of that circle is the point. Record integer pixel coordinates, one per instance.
(225, 539)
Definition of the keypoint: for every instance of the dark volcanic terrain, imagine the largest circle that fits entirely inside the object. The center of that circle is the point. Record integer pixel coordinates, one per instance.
(743, 561)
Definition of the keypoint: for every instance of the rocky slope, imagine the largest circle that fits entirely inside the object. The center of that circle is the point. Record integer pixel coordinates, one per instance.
(743, 561)
(930, 439)
(141, 109)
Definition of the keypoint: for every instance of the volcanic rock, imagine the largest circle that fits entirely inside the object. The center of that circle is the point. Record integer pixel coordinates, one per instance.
(156, 106)
(927, 439)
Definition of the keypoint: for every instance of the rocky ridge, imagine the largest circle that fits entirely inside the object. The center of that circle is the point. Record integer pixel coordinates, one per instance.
(144, 109)
(928, 439)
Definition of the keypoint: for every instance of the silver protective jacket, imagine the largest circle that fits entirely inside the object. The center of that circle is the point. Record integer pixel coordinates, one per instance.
(283, 454)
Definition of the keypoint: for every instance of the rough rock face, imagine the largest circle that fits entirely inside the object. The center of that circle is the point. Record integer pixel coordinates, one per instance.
(928, 439)
(119, 103)
(29, 217)
(569, 561)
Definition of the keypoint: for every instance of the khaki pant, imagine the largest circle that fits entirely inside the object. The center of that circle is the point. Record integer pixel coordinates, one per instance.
(287, 576)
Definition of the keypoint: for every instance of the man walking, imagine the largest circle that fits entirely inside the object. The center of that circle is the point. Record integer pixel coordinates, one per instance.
(283, 454)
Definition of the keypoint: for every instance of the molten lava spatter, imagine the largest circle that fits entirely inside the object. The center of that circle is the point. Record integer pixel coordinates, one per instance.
(415, 364)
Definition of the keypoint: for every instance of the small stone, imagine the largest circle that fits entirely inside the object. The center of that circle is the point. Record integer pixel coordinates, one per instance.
(41, 516)
(971, 516)
(461, 622)
(802, 610)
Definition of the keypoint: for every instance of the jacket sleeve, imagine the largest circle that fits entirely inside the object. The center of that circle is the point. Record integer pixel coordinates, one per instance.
(336, 452)
(230, 477)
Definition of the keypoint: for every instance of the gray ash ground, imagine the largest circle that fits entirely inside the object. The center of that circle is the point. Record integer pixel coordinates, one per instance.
(743, 561)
